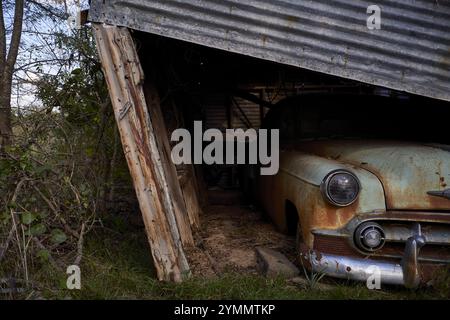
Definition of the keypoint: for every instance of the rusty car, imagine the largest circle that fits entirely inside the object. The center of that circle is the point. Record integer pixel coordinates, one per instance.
(360, 191)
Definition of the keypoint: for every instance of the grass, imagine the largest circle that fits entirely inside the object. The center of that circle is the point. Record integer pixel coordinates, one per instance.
(117, 265)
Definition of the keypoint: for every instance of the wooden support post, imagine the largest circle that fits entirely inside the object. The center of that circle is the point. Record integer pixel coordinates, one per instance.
(185, 172)
(166, 224)
(190, 191)
(182, 199)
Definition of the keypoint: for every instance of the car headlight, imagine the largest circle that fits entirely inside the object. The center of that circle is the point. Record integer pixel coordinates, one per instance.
(340, 188)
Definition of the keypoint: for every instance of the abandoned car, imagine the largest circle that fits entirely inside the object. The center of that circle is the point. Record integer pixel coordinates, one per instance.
(360, 195)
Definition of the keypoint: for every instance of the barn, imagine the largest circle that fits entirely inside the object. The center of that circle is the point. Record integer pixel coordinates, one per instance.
(227, 63)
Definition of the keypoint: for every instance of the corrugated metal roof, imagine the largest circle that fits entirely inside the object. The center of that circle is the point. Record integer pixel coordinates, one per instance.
(410, 52)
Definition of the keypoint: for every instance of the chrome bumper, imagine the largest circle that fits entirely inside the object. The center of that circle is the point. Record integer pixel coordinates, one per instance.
(355, 268)
(406, 273)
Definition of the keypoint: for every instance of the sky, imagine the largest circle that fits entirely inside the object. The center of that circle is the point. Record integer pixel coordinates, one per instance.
(38, 49)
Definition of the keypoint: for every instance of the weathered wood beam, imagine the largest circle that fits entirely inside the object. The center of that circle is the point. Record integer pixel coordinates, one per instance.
(183, 211)
(189, 188)
(185, 172)
(166, 231)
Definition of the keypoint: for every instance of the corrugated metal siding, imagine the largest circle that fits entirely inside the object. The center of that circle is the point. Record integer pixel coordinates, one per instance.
(215, 111)
(215, 108)
(252, 118)
(411, 52)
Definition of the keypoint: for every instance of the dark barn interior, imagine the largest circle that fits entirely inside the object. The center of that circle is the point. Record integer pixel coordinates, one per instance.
(226, 90)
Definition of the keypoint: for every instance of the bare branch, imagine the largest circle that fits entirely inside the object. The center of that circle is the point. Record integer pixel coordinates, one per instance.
(49, 10)
(80, 246)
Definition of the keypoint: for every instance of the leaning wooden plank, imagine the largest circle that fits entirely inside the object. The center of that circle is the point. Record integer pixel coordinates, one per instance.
(181, 210)
(160, 142)
(185, 172)
(125, 78)
(189, 189)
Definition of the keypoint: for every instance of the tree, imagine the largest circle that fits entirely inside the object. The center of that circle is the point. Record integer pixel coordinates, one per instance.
(7, 61)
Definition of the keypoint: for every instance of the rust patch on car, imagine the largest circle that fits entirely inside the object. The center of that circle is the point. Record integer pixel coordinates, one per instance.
(330, 217)
(442, 181)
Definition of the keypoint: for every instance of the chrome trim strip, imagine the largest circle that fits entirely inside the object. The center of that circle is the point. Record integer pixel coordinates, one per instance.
(440, 193)
(438, 235)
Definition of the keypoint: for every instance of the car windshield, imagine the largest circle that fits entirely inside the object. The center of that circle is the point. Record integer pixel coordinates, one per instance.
(315, 117)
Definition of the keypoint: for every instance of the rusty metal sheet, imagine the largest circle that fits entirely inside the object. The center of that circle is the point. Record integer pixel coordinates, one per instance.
(411, 51)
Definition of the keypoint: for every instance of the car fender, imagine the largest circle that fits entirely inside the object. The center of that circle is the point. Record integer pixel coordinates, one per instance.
(299, 180)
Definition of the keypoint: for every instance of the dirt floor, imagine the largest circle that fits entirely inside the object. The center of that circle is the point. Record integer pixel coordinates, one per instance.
(229, 235)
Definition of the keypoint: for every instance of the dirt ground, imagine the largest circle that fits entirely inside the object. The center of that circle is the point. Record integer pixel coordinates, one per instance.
(228, 238)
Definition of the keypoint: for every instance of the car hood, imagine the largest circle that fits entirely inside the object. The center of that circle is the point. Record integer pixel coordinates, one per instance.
(407, 171)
